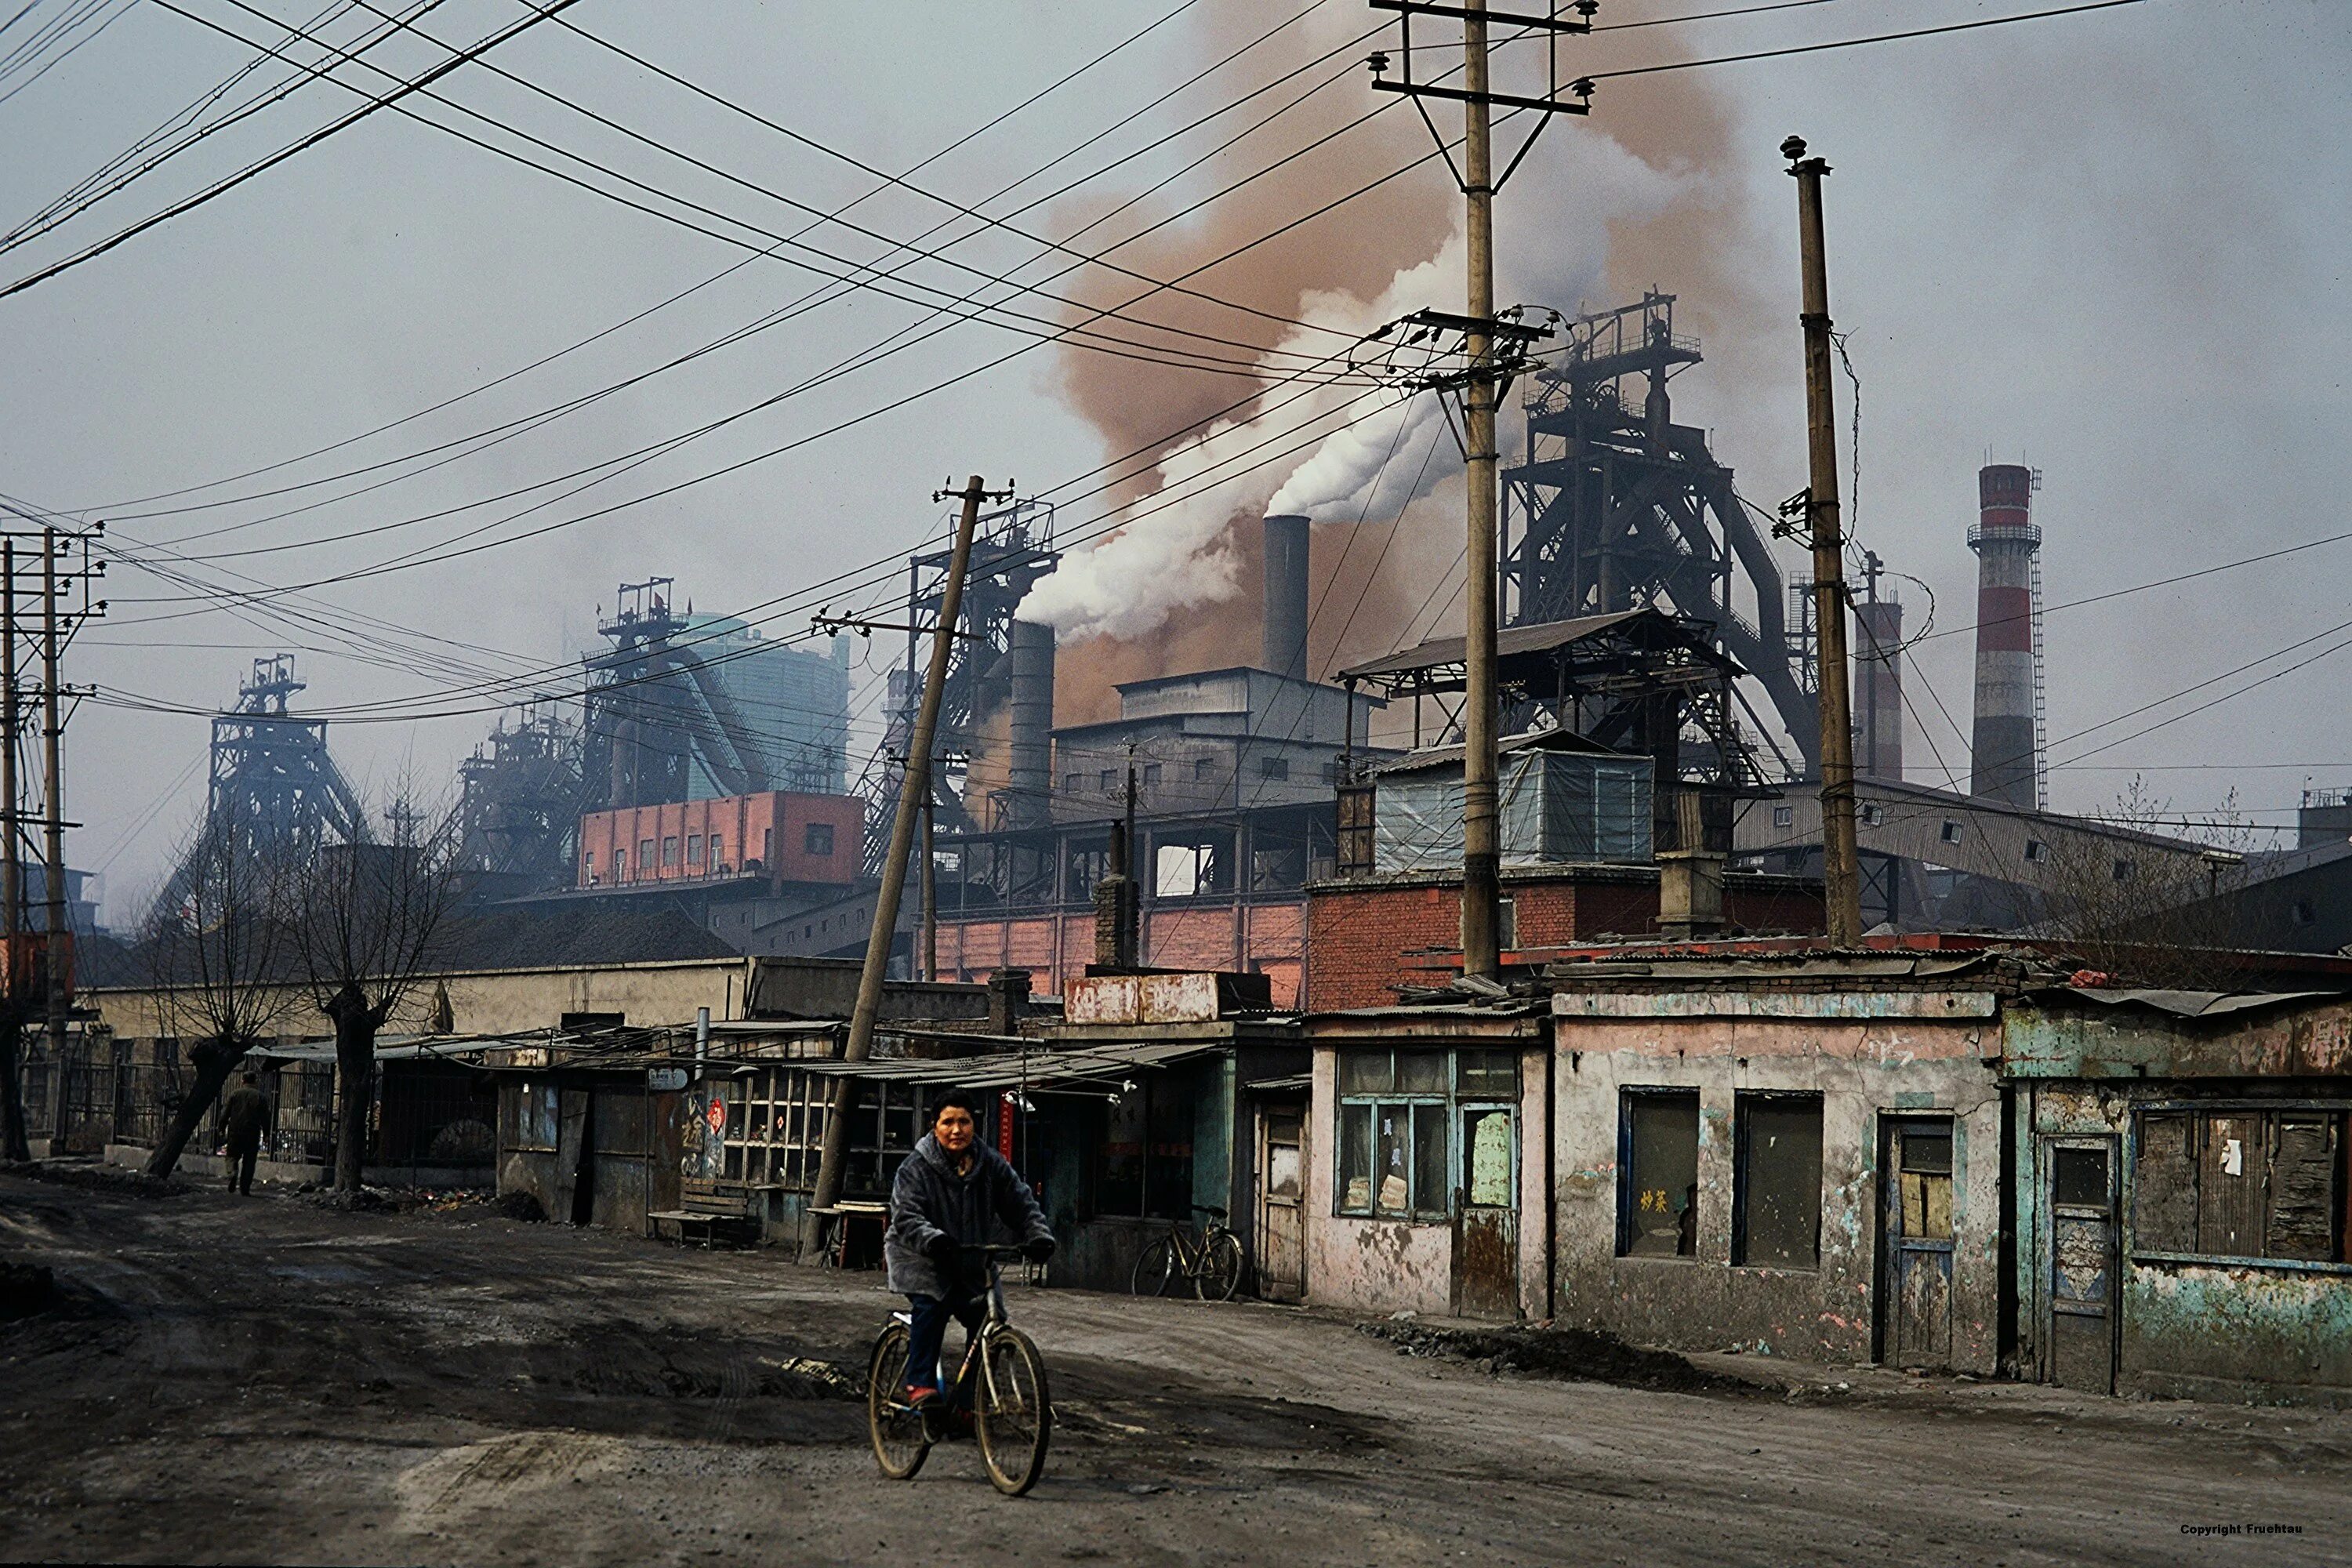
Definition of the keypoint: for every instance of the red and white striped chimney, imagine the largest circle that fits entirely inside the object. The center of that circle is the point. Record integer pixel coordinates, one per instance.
(2003, 766)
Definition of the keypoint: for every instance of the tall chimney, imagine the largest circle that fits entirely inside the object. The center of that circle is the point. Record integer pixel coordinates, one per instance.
(1029, 769)
(1877, 680)
(2003, 766)
(1285, 597)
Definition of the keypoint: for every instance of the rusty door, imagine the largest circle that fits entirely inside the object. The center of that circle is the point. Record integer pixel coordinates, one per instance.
(1487, 1215)
(1915, 1297)
(2080, 1199)
(1281, 1213)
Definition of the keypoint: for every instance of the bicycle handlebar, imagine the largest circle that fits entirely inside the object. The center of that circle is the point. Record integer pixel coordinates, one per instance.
(993, 1252)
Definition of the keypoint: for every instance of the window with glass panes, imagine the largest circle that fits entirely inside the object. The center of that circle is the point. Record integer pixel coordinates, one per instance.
(1419, 1128)
(775, 1130)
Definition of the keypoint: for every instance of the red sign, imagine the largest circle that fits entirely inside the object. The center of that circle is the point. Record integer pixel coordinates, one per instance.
(717, 1114)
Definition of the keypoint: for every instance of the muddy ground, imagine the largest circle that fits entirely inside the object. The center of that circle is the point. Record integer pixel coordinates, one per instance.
(268, 1381)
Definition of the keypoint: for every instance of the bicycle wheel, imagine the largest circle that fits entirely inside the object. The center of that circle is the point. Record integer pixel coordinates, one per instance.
(1017, 1413)
(1155, 1269)
(899, 1446)
(1220, 1267)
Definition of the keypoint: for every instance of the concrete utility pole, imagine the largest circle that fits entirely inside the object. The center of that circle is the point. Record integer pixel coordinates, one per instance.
(13, 1143)
(1482, 855)
(914, 792)
(53, 826)
(1840, 869)
(1482, 382)
(12, 865)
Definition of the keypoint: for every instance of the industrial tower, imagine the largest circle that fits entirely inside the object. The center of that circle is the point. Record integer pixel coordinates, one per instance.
(1619, 508)
(999, 665)
(2005, 752)
(273, 786)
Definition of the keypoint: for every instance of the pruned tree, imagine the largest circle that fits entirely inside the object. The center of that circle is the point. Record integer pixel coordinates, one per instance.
(367, 923)
(2146, 907)
(221, 959)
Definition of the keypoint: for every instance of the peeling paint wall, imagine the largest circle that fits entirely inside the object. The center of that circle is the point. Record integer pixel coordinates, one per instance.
(2228, 1328)
(1365, 1265)
(1391, 1266)
(1868, 1062)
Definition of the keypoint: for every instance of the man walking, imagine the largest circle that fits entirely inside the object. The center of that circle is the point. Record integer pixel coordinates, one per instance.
(243, 1116)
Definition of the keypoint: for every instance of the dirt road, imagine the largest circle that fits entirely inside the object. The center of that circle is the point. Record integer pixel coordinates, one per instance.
(264, 1381)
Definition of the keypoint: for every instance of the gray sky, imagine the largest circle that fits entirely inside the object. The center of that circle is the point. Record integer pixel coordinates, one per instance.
(2111, 244)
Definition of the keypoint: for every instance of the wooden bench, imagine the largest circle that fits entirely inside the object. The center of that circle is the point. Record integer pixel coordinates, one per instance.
(716, 1213)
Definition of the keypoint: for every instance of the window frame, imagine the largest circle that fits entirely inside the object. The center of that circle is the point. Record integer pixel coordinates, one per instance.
(1743, 1185)
(2269, 1111)
(1450, 1101)
(1628, 1097)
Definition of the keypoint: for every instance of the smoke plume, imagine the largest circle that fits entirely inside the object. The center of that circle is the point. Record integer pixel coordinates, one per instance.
(1593, 198)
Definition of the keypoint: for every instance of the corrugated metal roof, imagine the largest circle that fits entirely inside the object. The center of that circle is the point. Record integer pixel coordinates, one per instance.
(2198, 1004)
(1541, 637)
(1016, 1070)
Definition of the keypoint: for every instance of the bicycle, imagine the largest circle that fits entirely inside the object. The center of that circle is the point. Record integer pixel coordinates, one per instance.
(1001, 1381)
(1213, 1263)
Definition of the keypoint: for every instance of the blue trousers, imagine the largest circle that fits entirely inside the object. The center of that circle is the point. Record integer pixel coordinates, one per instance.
(929, 1330)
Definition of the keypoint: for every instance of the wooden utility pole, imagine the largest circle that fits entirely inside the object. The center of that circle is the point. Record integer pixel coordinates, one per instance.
(914, 795)
(1482, 383)
(1840, 869)
(930, 894)
(53, 823)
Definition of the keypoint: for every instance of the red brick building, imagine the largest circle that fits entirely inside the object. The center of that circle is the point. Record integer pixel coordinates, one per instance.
(783, 836)
(1367, 933)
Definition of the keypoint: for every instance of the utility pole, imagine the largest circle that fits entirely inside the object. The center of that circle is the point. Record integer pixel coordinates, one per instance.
(1482, 386)
(13, 1142)
(930, 894)
(1840, 871)
(55, 959)
(914, 794)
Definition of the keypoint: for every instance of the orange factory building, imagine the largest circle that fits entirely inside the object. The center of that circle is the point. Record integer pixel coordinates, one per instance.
(777, 834)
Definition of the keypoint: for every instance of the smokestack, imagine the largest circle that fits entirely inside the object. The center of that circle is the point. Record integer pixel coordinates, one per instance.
(2004, 765)
(1029, 769)
(1878, 681)
(1285, 597)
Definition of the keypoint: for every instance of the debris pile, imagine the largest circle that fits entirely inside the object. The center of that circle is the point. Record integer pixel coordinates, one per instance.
(1577, 1354)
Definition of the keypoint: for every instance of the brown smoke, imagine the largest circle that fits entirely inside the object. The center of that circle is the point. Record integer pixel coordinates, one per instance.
(1364, 596)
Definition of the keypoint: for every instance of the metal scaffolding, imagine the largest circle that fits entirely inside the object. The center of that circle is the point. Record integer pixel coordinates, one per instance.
(1618, 507)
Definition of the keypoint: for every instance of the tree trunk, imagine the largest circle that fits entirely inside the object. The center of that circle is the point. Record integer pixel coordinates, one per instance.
(13, 1143)
(355, 1026)
(214, 1063)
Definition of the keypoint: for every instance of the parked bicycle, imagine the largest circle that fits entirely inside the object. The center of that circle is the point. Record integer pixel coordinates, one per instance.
(1211, 1260)
(1001, 1385)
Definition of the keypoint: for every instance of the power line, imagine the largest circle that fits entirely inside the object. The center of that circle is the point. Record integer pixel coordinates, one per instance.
(220, 187)
(1858, 43)
(724, 272)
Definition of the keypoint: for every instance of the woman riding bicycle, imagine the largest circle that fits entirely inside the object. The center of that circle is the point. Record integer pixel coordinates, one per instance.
(953, 1193)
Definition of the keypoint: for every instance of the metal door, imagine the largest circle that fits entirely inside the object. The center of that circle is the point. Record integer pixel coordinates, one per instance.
(1915, 1297)
(1487, 1215)
(2079, 1194)
(1281, 1213)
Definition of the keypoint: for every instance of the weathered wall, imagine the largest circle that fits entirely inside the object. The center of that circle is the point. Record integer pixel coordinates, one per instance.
(1865, 1068)
(2236, 1328)
(1365, 1265)
(1356, 929)
(1197, 934)
(485, 1002)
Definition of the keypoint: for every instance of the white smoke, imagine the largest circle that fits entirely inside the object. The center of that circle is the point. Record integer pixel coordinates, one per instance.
(1550, 243)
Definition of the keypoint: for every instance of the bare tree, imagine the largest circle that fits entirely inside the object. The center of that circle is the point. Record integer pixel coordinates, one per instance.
(367, 922)
(2143, 907)
(220, 957)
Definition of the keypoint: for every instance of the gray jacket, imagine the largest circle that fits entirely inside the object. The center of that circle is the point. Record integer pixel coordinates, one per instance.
(987, 1203)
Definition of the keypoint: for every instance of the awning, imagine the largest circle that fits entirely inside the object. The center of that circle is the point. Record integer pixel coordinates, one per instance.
(1107, 1066)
